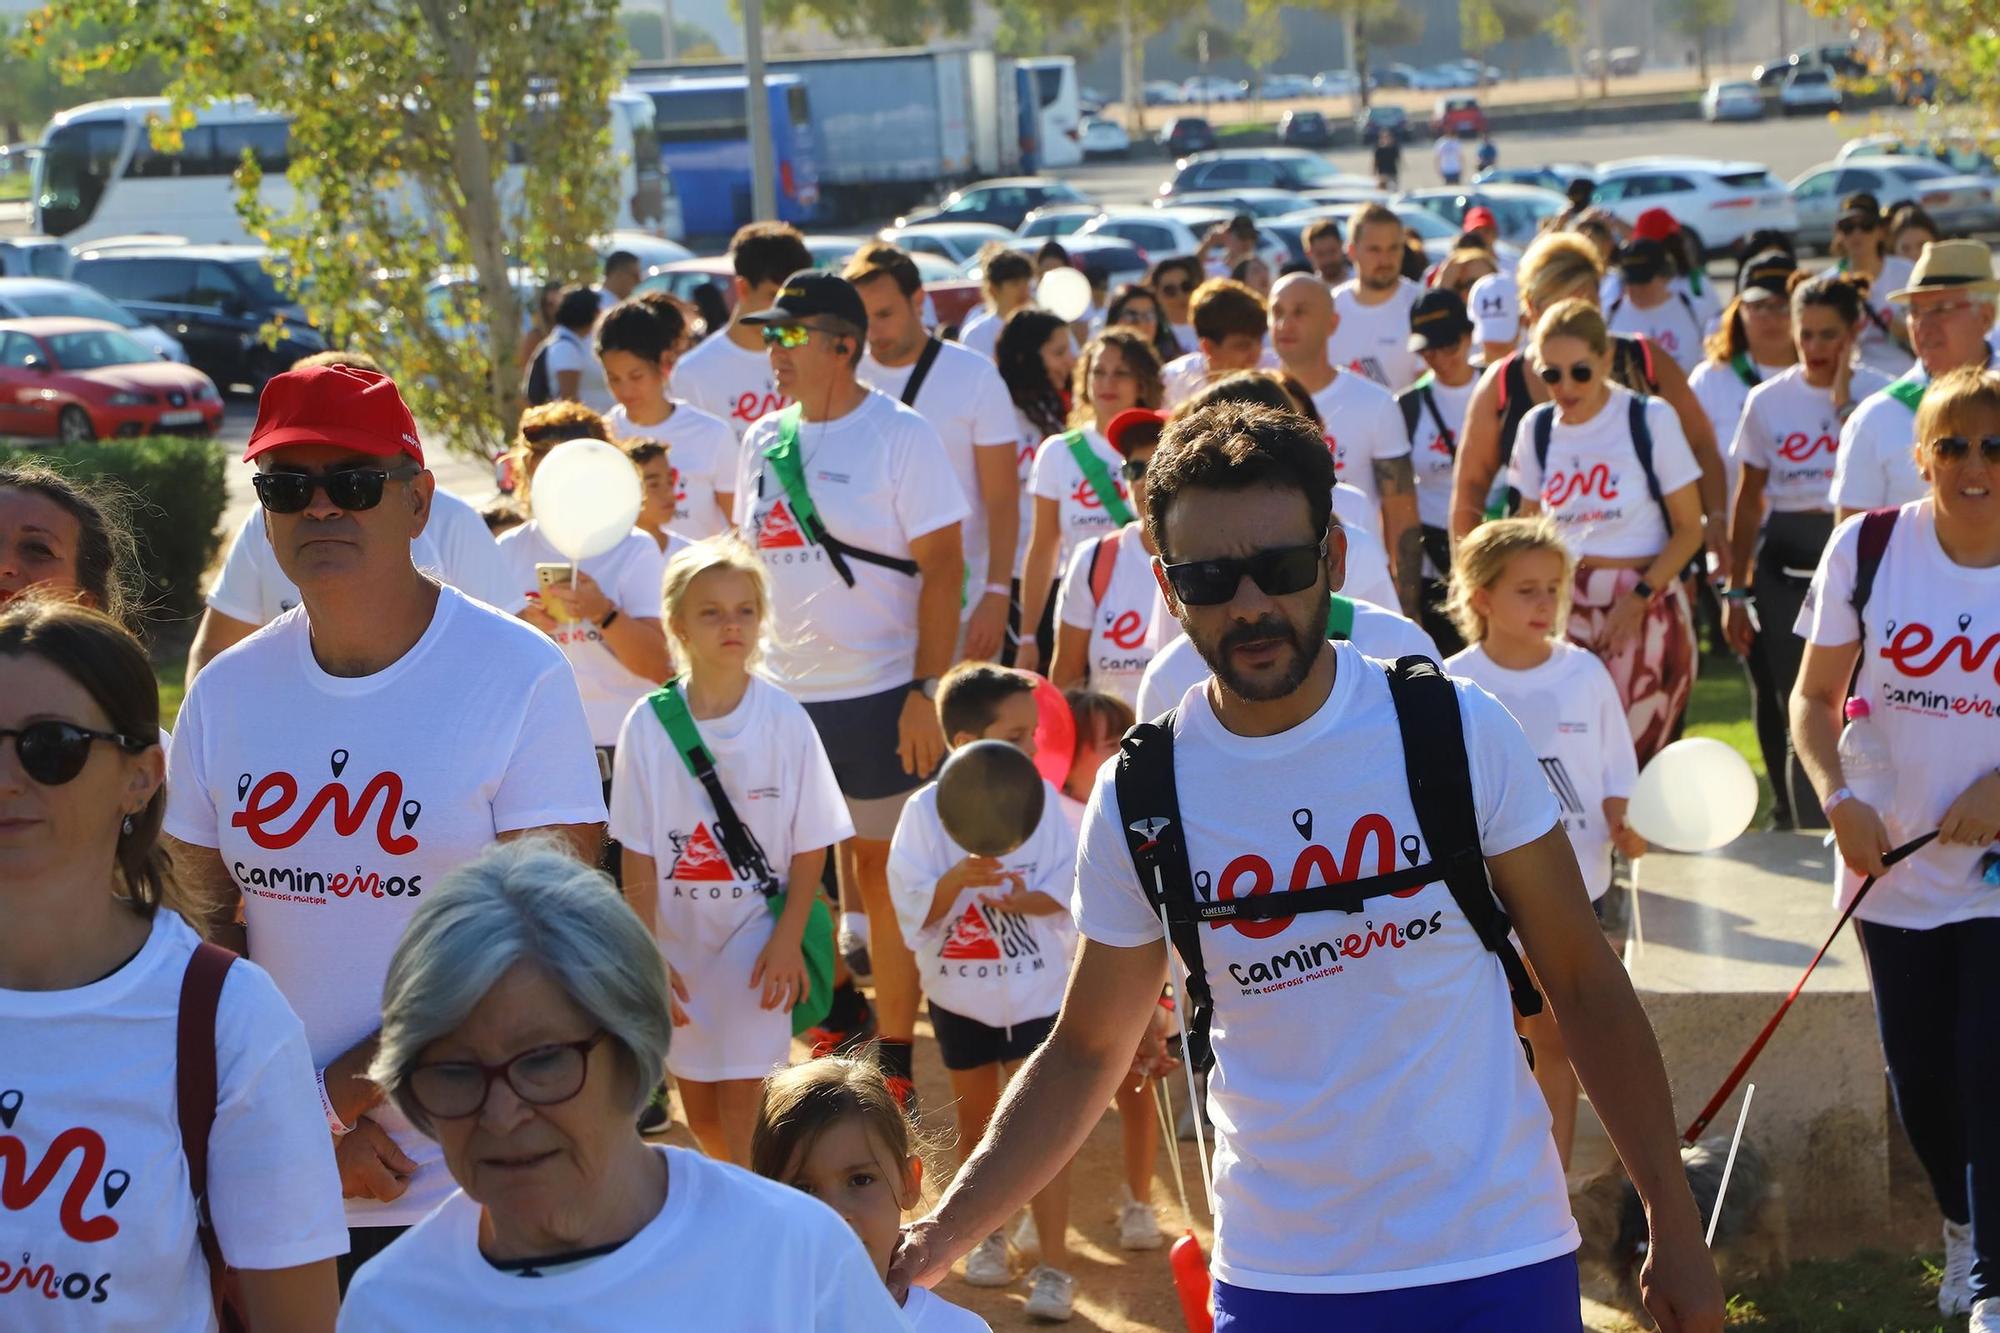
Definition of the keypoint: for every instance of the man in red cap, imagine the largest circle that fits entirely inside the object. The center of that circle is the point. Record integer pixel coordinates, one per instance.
(330, 768)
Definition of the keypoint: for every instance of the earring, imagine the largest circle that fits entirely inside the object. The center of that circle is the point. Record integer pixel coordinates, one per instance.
(128, 824)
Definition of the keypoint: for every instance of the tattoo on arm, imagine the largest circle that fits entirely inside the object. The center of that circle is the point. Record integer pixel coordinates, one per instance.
(1396, 479)
(1395, 476)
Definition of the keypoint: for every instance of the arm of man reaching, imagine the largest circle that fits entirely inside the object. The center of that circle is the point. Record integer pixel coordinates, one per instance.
(1478, 458)
(940, 557)
(1611, 1045)
(1000, 496)
(1048, 1109)
(1396, 479)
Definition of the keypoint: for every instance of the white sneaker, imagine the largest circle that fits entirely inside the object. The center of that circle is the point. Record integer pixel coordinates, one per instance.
(1027, 1236)
(987, 1265)
(1985, 1316)
(1138, 1228)
(1053, 1297)
(1955, 1287)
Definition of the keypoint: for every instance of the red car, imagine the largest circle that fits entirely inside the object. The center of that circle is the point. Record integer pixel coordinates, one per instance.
(79, 379)
(1460, 116)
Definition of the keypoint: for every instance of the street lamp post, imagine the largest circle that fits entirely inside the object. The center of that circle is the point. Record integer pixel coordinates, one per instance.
(763, 170)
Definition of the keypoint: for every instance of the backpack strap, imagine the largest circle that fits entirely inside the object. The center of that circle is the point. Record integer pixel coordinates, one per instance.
(194, 1102)
(1687, 304)
(1510, 366)
(1545, 433)
(1877, 526)
(788, 463)
(739, 844)
(919, 372)
(1642, 445)
(1440, 778)
(1420, 397)
(1103, 562)
(1746, 369)
(1099, 476)
(1617, 305)
(1340, 617)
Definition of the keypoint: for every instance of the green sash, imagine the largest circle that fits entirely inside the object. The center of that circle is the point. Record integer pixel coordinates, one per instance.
(1099, 477)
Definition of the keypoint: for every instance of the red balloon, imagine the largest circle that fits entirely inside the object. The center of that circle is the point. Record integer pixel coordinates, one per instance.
(1190, 1268)
(1055, 733)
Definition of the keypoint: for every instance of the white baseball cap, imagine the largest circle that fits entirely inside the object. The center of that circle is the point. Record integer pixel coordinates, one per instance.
(1495, 307)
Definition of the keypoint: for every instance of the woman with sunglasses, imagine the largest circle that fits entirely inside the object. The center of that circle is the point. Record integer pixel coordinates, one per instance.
(1136, 307)
(93, 959)
(1861, 246)
(1078, 492)
(524, 1019)
(1173, 280)
(1580, 458)
(1110, 618)
(1785, 445)
(1923, 639)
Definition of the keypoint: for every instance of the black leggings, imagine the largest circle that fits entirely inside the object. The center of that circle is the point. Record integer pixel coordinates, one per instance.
(1045, 633)
(1786, 560)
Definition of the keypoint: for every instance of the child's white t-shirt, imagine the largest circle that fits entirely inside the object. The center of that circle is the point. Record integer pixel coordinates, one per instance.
(703, 452)
(1080, 513)
(1132, 622)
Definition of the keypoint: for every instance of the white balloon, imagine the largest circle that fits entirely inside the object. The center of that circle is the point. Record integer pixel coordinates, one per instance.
(1064, 293)
(585, 497)
(1696, 795)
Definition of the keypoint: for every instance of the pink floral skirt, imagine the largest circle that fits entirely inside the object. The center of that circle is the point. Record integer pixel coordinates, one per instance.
(1654, 669)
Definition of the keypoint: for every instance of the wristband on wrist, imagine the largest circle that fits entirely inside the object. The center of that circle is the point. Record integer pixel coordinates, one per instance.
(1834, 798)
(333, 1121)
(1736, 594)
(605, 623)
(999, 590)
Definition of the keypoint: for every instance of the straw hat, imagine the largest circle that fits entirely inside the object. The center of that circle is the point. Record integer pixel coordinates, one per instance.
(1965, 266)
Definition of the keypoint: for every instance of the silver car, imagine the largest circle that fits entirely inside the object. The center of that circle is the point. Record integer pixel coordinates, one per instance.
(1959, 203)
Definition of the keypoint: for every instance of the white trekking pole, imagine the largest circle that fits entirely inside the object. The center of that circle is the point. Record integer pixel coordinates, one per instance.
(1177, 969)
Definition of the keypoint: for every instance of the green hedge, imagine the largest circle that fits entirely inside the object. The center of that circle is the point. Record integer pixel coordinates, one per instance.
(173, 490)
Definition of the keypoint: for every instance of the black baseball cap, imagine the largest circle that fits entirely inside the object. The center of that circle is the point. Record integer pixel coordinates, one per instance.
(1644, 256)
(1438, 319)
(1768, 274)
(810, 292)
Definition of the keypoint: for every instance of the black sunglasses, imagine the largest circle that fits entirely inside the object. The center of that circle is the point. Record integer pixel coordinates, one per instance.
(352, 489)
(53, 753)
(1956, 448)
(1133, 469)
(1175, 290)
(1278, 572)
(544, 1076)
(1848, 226)
(1580, 372)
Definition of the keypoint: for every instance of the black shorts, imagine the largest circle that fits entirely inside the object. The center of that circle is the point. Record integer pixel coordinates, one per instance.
(967, 1043)
(860, 736)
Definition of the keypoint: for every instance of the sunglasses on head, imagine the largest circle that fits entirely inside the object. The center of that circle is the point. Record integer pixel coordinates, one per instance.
(53, 753)
(352, 488)
(1278, 572)
(1956, 448)
(1580, 372)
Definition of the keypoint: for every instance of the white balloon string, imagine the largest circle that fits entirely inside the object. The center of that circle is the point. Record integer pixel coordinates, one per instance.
(1729, 1163)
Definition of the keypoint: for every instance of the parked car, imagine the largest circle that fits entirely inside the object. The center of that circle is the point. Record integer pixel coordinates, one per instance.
(1104, 137)
(82, 379)
(688, 276)
(1159, 92)
(1491, 73)
(1732, 99)
(30, 298)
(1304, 129)
(1961, 153)
(954, 242)
(1336, 83)
(1256, 201)
(1255, 168)
(1718, 203)
(1281, 86)
(652, 251)
(1519, 209)
(1393, 75)
(1959, 202)
(1438, 237)
(1809, 90)
(1172, 229)
(1090, 101)
(1550, 176)
(1187, 134)
(1359, 191)
(1460, 116)
(1056, 220)
(1107, 257)
(1210, 88)
(1003, 201)
(215, 299)
(33, 257)
(1375, 119)
(1773, 73)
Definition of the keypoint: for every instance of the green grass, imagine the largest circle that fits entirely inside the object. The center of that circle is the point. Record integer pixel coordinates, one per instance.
(1869, 1292)
(13, 187)
(1720, 707)
(172, 675)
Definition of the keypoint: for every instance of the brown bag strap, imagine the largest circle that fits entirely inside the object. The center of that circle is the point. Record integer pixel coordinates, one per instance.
(195, 1096)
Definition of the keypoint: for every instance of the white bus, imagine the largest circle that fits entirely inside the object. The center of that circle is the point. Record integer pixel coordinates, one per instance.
(98, 175)
(1059, 118)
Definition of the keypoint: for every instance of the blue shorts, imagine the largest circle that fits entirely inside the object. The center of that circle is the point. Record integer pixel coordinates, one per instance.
(1541, 1298)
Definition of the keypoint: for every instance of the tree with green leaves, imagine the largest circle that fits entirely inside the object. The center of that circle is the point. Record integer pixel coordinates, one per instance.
(1479, 31)
(1564, 25)
(1700, 21)
(1955, 41)
(405, 117)
(876, 22)
(33, 89)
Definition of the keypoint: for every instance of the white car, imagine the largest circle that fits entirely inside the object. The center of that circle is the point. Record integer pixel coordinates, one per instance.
(1160, 92)
(1809, 90)
(1958, 203)
(1104, 137)
(957, 243)
(1210, 88)
(1960, 152)
(1732, 99)
(1519, 209)
(1173, 230)
(1056, 220)
(1718, 203)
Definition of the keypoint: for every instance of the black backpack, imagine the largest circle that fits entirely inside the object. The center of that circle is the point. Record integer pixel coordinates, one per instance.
(539, 388)
(1440, 782)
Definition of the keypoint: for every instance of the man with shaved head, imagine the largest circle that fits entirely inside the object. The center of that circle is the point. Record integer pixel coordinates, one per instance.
(1364, 427)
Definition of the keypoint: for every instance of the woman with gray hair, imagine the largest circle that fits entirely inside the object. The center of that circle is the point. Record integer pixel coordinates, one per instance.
(524, 1020)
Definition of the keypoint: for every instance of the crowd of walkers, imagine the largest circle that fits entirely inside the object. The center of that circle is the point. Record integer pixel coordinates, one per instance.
(365, 993)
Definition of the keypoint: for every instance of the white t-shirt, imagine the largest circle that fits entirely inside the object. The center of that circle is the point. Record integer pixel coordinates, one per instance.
(455, 545)
(1876, 465)
(569, 350)
(1722, 393)
(1414, 1110)
(1432, 452)
(799, 1267)
(880, 480)
(1495, 307)
(1927, 673)
(1707, 305)
(1132, 622)
(1877, 346)
(1057, 477)
(1027, 442)
(703, 453)
(966, 401)
(1179, 667)
(1188, 374)
(1674, 325)
(1375, 339)
(726, 381)
(929, 1312)
(1450, 157)
(981, 333)
(629, 574)
(997, 968)
(107, 1239)
(1790, 430)
(1570, 711)
(1363, 427)
(1595, 489)
(712, 922)
(337, 802)
(1367, 576)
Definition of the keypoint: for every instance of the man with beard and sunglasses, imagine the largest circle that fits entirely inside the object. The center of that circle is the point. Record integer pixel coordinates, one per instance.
(328, 770)
(1383, 1159)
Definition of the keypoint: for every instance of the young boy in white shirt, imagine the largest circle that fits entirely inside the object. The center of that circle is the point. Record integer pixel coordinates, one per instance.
(638, 343)
(992, 938)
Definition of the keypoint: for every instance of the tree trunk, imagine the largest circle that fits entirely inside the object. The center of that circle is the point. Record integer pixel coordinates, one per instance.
(1132, 66)
(1357, 56)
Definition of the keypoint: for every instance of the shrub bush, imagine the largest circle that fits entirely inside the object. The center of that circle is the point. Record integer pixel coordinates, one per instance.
(172, 489)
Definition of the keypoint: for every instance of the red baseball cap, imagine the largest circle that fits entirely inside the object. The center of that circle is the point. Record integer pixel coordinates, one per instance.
(343, 405)
(1655, 224)
(1119, 426)
(1479, 215)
